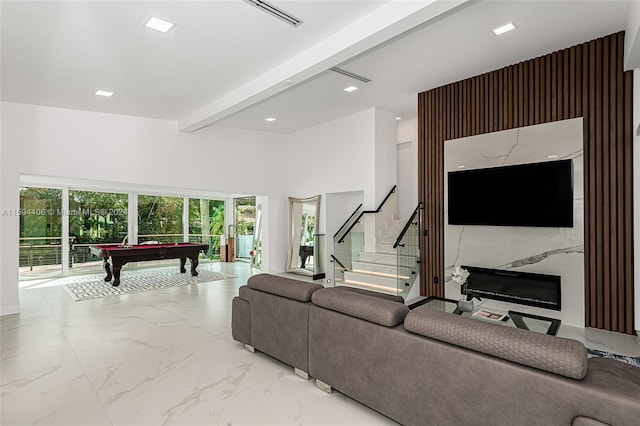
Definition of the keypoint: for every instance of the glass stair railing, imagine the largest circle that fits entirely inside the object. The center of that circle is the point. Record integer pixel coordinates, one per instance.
(348, 242)
(408, 254)
(375, 251)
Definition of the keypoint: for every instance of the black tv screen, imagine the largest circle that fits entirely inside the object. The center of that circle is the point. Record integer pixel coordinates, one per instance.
(535, 194)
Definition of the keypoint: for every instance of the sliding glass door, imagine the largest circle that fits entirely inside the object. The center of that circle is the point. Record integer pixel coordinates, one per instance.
(206, 224)
(40, 244)
(160, 219)
(86, 218)
(95, 218)
(245, 212)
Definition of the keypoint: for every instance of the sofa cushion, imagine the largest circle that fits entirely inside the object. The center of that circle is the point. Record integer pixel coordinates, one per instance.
(391, 297)
(369, 308)
(558, 355)
(285, 287)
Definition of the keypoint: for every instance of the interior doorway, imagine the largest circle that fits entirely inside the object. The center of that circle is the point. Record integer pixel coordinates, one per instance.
(245, 220)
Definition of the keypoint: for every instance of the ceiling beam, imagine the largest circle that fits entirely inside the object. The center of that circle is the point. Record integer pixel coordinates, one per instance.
(379, 26)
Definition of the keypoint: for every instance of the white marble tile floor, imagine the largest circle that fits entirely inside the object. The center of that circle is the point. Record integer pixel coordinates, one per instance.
(162, 357)
(166, 357)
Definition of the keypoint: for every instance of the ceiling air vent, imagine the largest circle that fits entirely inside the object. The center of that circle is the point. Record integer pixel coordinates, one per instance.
(351, 74)
(276, 12)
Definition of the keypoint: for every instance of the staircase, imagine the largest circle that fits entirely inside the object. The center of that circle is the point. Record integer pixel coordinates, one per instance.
(377, 270)
(382, 267)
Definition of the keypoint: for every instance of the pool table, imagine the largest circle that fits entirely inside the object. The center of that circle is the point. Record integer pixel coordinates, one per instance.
(120, 255)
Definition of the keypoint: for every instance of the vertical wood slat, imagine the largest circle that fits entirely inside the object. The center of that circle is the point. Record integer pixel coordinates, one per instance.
(613, 180)
(622, 183)
(590, 156)
(628, 200)
(583, 81)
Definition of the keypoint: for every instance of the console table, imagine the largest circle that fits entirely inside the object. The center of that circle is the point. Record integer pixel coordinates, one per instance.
(515, 319)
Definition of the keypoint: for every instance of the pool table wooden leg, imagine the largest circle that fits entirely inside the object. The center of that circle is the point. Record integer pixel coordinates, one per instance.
(194, 265)
(116, 275)
(107, 268)
(183, 261)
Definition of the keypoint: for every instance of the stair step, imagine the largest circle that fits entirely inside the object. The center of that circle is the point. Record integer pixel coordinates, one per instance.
(389, 271)
(387, 259)
(371, 287)
(391, 239)
(379, 258)
(367, 267)
(357, 278)
(385, 248)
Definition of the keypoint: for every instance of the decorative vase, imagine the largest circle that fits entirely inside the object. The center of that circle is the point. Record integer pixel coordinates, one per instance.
(465, 305)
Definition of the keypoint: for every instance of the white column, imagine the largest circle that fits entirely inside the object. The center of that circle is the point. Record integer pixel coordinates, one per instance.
(185, 219)
(132, 217)
(65, 246)
(229, 215)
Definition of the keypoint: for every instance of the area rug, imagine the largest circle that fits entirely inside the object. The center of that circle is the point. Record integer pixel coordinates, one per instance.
(633, 360)
(93, 286)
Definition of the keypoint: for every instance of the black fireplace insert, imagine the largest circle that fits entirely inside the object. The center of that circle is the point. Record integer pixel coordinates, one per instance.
(525, 288)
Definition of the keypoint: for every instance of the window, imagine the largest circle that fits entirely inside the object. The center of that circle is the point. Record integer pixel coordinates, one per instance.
(160, 219)
(95, 218)
(40, 232)
(245, 222)
(206, 224)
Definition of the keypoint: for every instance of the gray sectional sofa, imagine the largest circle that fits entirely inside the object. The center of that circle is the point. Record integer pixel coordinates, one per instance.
(425, 367)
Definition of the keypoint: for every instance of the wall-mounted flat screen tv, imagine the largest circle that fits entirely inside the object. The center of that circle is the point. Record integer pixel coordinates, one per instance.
(535, 194)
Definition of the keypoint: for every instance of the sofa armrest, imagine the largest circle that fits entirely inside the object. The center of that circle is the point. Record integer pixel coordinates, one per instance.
(285, 287)
(241, 320)
(369, 308)
(557, 355)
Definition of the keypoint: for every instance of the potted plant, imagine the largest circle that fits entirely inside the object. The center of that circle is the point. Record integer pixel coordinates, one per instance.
(460, 276)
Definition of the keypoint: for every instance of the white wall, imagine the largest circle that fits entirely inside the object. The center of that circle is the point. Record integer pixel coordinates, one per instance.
(81, 144)
(632, 37)
(9, 225)
(407, 138)
(385, 166)
(48, 141)
(356, 153)
(339, 156)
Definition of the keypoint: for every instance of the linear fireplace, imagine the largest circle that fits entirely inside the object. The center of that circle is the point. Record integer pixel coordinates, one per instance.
(525, 288)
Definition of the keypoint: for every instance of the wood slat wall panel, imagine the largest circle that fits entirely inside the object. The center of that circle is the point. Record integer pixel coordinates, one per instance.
(585, 81)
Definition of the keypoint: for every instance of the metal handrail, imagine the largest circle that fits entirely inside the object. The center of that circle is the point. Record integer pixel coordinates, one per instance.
(406, 226)
(341, 240)
(383, 201)
(347, 221)
(45, 238)
(339, 263)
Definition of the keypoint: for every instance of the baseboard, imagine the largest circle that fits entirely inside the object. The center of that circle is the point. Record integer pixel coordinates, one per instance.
(14, 308)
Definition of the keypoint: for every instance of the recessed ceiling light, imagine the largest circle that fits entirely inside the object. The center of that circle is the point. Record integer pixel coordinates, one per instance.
(159, 24)
(104, 93)
(505, 28)
(461, 166)
(269, 119)
(350, 88)
(398, 118)
(552, 156)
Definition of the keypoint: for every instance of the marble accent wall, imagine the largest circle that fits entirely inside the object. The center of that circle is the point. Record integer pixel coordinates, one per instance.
(556, 251)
